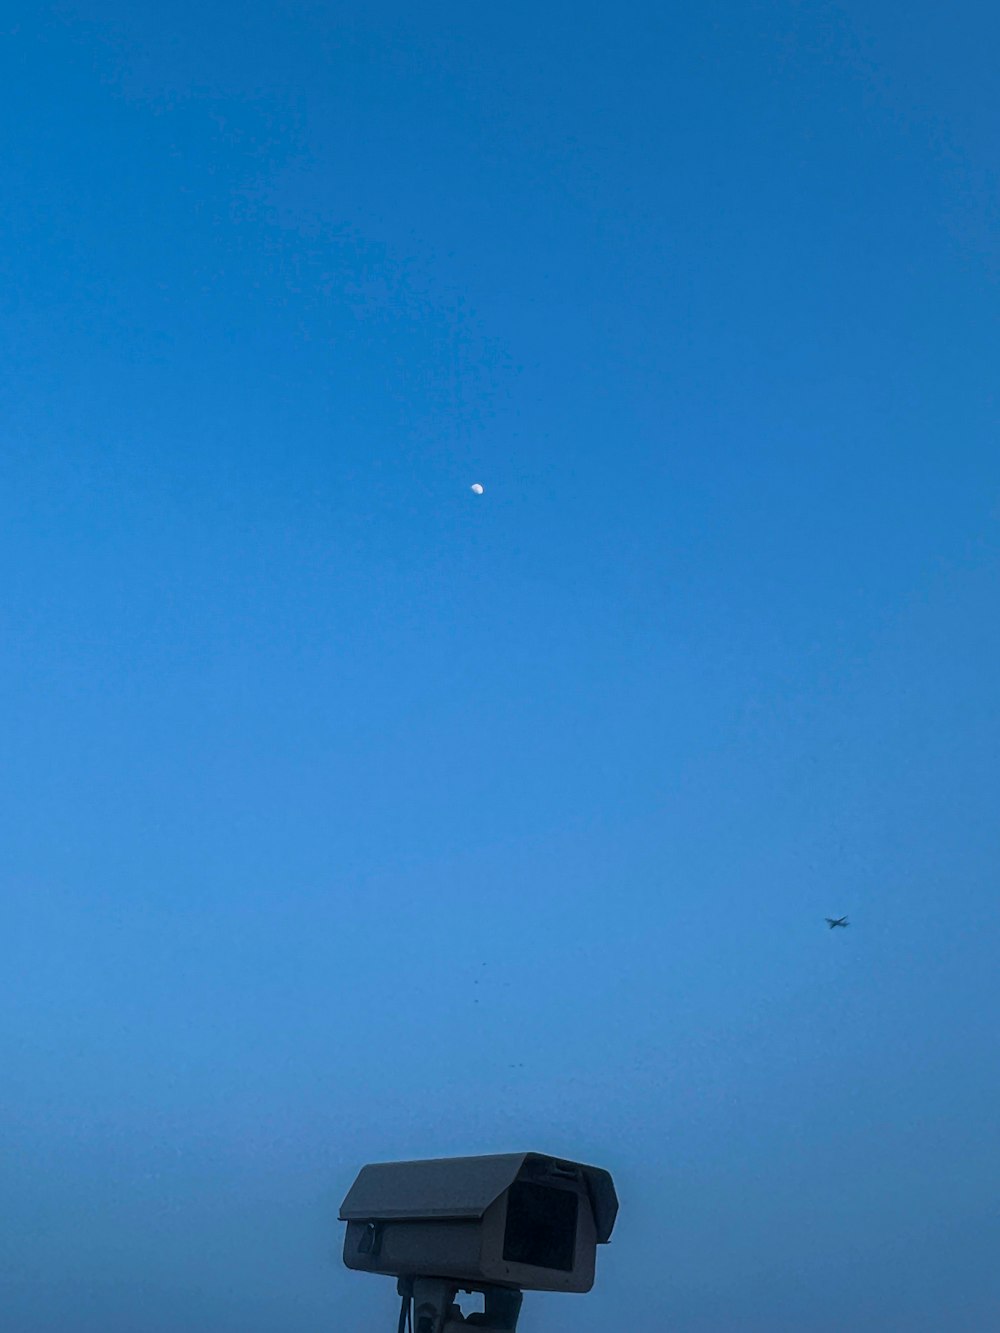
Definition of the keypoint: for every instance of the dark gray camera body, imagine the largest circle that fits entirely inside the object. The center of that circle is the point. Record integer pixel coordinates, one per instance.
(517, 1220)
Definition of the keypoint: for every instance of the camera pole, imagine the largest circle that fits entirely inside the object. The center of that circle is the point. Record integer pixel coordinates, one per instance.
(435, 1309)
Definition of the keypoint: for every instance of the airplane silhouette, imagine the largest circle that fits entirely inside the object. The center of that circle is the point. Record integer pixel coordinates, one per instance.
(832, 921)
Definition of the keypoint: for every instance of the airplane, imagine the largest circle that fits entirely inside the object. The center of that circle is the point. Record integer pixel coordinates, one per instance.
(832, 921)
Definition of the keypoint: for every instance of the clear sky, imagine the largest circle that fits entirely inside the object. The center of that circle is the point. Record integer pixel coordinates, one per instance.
(346, 815)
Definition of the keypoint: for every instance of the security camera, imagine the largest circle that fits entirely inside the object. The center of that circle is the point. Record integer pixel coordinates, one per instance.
(497, 1225)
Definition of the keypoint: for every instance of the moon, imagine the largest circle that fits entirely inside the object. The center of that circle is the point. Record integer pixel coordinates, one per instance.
(476, 488)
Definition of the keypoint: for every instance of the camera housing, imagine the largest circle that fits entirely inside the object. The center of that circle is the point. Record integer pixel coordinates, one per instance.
(522, 1221)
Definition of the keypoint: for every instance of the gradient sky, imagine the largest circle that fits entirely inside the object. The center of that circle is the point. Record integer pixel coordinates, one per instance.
(346, 816)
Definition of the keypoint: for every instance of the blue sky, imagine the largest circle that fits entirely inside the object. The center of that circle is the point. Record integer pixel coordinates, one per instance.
(347, 816)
